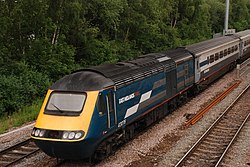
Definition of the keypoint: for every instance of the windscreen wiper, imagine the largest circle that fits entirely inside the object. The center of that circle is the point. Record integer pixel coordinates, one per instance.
(57, 107)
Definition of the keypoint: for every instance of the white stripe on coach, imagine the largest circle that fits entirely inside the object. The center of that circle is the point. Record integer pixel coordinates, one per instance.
(132, 110)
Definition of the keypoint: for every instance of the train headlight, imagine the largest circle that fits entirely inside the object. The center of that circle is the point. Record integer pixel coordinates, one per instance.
(37, 132)
(78, 135)
(65, 135)
(42, 132)
(71, 135)
(33, 132)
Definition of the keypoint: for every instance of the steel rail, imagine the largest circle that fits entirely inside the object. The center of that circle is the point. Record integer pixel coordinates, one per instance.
(21, 154)
(210, 128)
(243, 65)
(231, 142)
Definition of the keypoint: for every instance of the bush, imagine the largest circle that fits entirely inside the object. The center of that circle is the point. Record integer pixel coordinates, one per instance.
(26, 114)
(17, 91)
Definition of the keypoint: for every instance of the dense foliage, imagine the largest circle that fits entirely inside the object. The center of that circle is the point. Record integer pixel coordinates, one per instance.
(42, 40)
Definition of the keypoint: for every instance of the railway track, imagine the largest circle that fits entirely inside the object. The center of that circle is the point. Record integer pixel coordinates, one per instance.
(244, 68)
(18, 152)
(213, 145)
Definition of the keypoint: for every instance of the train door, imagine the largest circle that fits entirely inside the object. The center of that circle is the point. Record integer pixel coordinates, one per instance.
(171, 83)
(186, 77)
(197, 70)
(107, 109)
(111, 108)
(241, 47)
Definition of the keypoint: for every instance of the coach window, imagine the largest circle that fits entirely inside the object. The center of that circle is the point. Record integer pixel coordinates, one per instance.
(229, 51)
(221, 54)
(101, 105)
(233, 50)
(208, 60)
(211, 58)
(225, 52)
(216, 56)
(235, 47)
(245, 43)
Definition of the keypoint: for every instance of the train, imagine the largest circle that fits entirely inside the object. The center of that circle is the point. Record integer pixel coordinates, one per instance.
(91, 112)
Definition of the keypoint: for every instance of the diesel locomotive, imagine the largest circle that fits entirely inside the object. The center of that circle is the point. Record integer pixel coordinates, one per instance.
(90, 112)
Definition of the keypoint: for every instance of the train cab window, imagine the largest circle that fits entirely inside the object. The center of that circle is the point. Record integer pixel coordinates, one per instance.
(211, 58)
(65, 103)
(208, 60)
(101, 105)
(225, 52)
(245, 43)
(221, 54)
(216, 56)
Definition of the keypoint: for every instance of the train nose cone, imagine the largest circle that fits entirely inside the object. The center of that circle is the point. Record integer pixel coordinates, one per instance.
(67, 150)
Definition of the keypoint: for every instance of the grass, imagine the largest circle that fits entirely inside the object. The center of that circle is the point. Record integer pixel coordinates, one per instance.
(24, 115)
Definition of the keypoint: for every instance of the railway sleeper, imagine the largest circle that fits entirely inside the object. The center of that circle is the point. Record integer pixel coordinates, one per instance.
(206, 150)
(208, 146)
(28, 148)
(4, 162)
(215, 143)
(12, 156)
(201, 156)
(20, 152)
(218, 137)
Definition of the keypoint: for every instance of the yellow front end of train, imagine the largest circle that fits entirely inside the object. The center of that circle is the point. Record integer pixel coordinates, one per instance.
(63, 122)
(73, 122)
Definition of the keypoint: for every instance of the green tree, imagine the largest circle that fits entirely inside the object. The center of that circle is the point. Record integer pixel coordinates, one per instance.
(217, 13)
(240, 14)
(52, 60)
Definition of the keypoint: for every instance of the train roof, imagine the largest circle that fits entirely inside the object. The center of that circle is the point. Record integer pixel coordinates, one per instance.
(82, 81)
(179, 54)
(119, 74)
(204, 46)
(124, 73)
(243, 34)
